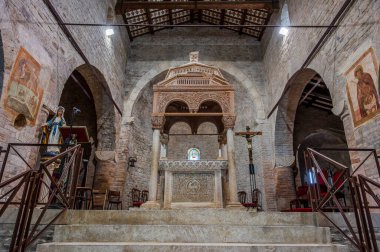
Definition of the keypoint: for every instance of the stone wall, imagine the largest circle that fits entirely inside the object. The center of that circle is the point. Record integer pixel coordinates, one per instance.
(283, 57)
(29, 24)
(239, 58)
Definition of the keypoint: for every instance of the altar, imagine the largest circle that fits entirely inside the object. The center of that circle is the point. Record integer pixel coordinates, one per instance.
(193, 93)
(192, 184)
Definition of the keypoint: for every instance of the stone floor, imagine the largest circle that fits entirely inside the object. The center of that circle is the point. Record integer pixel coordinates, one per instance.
(183, 230)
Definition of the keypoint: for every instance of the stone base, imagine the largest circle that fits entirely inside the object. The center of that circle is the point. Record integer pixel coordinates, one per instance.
(234, 205)
(151, 205)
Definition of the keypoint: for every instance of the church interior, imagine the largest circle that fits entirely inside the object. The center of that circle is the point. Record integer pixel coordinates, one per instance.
(189, 125)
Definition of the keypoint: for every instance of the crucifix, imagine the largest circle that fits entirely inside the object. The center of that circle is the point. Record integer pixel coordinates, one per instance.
(248, 135)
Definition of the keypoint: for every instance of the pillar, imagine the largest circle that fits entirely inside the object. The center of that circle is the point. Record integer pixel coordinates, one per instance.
(229, 122)
(164, 146)
(157, 124)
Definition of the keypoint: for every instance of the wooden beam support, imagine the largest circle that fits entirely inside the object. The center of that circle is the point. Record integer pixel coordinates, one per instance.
(263, 28)
(222, 17)
(191, 16)
(199, 16)
(193, 114)
(128, 28)
(124, 6)
(242, 21)
(149, 18)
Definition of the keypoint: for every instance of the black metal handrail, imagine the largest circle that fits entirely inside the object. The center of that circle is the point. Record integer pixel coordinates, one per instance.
(28, 185)
(359, 187)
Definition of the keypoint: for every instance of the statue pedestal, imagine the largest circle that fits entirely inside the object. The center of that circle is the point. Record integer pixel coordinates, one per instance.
(193, 184)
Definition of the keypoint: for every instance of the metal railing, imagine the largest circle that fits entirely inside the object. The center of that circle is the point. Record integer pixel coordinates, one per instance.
(363, 191)
(38, 186)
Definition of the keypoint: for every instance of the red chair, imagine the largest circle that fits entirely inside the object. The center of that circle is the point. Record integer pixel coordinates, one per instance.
(136, 198)
(302, 198)
(256, 199)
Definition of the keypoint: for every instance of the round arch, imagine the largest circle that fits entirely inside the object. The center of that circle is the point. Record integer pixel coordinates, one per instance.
(213, 106)
(105, 111)
(176, 105)
(285, 117)
(161, 70)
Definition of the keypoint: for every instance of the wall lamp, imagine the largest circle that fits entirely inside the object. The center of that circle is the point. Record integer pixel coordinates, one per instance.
(132, 161)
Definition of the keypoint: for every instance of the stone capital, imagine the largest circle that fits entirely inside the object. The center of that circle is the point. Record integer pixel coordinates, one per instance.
(229, 121)
(164, 139)
(222, 139)
(158, 122)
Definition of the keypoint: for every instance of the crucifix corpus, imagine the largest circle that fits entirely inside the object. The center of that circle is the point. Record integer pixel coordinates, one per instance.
(248, 135)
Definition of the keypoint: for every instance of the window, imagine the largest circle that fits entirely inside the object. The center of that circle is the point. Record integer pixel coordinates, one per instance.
(193, 154)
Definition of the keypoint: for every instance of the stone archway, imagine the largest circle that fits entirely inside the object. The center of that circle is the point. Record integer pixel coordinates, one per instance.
(162, 68)
(286, 113)
(294, 122)
(105, 130)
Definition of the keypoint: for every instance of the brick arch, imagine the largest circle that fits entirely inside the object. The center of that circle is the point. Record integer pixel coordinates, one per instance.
(161, 69)
(286, 113)
(105, 111)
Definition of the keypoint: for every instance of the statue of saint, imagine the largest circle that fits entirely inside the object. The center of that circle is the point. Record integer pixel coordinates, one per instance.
(51, 133)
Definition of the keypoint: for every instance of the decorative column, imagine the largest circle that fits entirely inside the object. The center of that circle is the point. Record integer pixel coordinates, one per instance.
(222, 147)
(229, 123)
(157, 124)
(164, 146)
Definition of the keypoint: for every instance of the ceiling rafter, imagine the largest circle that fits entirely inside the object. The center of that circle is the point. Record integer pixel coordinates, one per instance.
(242, 21)
(149, 18)
(217, 16)
(123, 6)
(128, 28)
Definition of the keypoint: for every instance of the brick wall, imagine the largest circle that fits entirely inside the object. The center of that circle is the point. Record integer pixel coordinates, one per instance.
(29, 24)
(284, 56)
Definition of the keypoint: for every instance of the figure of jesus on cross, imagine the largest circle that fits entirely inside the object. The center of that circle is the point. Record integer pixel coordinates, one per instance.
(248, 135)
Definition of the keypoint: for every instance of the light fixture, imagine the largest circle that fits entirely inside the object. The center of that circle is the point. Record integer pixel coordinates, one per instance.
(284, 31)
(132, 161)
(109, 32)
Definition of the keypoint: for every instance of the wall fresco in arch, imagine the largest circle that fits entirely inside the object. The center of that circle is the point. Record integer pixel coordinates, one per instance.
(24, 93)
(362, 84)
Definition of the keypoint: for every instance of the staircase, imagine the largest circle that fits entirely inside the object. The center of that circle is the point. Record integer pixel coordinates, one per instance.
(190, 230)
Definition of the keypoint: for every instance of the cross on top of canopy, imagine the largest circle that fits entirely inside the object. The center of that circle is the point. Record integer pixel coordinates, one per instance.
(193, 93)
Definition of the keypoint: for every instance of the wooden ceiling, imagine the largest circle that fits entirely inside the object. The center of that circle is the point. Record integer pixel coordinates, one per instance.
(177, 12)
(317, 95)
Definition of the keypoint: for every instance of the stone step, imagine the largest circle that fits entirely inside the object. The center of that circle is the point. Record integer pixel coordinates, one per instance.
(196, 216)
(192, 233)
(186, 247)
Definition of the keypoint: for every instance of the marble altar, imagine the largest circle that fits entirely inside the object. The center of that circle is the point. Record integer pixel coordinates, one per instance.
(193, 184)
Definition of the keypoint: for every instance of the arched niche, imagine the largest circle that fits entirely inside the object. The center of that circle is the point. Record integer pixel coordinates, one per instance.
(177, 106)
(105, 111)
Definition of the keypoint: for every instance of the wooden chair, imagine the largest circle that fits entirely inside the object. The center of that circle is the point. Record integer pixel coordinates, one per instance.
(144, 195)
(83, 198)
(136, 198)
(100, 199)
(114, 198)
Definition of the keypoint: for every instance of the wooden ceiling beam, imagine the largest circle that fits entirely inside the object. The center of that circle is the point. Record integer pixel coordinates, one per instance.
(128, 28)
(124, 6)
(242, 21)
(149, 18)
(222, 17)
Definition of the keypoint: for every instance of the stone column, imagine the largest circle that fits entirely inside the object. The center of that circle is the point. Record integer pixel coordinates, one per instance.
(157, 124)
(222, 148)
(229, 122)
(164, 146)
